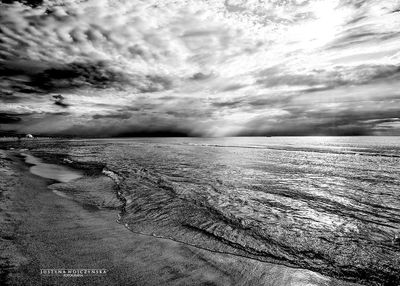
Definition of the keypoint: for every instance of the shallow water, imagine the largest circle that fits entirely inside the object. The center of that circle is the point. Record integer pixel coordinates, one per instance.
(330, 204)
(51, 171)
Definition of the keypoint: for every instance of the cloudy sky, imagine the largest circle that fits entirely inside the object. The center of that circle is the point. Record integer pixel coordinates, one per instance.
(200, 67)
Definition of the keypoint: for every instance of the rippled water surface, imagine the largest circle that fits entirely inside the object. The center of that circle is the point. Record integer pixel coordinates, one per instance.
(330, 204)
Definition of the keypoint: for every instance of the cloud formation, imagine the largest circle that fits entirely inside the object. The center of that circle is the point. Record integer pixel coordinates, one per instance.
(200, 68)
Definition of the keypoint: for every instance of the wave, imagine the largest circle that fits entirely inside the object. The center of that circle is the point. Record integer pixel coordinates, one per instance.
(194, 214)
(337, 215)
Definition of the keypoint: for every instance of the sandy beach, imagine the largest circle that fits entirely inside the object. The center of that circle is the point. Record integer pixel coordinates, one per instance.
(42, 229)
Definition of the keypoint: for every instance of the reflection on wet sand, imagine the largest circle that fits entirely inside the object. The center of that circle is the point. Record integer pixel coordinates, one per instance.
(51, 171)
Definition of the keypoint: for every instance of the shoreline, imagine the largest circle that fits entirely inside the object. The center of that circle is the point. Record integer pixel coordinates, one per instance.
(138, 256)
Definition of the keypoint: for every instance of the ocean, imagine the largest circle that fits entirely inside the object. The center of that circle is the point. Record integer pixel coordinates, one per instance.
(328, 204)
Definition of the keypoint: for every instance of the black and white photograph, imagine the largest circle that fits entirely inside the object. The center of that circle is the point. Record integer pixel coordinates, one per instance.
(200, 142)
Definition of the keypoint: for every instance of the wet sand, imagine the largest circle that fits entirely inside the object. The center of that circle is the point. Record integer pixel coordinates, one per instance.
(43, 229)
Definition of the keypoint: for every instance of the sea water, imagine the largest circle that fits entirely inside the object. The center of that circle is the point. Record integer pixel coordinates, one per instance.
(329, 204)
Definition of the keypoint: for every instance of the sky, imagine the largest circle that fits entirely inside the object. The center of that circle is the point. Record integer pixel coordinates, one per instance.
(200, 67)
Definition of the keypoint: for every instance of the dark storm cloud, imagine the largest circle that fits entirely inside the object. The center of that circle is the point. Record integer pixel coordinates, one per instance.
(166, 132)
(328, 79)
(270, 100)
(343, 117)
(119, 115)
(98, 75)
(76, 75)
(6, 118)
(230, 103)
(337, 122)
(8, 97)
(32, 39)
(310, 130)
(16, 118)
(60, 101)
(156, 129)
(33, 3)
(16, 67)
(183, 114)
(304, 126)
